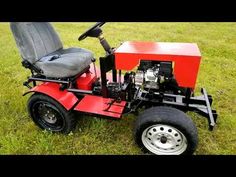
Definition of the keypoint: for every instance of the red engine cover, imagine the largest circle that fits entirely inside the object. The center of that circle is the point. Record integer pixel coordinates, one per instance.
(186, 58)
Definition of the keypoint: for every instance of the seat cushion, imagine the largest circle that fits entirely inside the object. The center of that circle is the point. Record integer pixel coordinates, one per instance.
(71, 62)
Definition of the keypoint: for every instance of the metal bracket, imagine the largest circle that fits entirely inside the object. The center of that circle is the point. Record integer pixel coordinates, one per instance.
(212, 115)
(199, 104)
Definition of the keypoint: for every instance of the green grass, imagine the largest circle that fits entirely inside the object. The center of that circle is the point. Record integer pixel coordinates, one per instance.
(217, 42)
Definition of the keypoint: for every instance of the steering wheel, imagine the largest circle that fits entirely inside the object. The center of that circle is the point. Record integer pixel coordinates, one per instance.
(86, 34)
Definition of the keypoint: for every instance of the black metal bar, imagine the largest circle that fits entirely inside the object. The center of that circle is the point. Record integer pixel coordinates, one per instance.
(105, 44)
(27, 84)
(48, 80)
(119, 78)
(197, 100)
(80, 91)
(103, 78)
(211, 118)
(114, 75)
(34, 83)
(106, 65)
(188, 96)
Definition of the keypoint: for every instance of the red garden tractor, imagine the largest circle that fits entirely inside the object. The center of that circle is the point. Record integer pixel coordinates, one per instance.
(158, 79)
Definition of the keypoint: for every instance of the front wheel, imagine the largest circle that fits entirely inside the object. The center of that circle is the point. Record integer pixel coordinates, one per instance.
(48, 114)
(165, 131)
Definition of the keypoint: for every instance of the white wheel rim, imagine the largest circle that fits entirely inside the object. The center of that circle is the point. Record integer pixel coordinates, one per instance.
(164, 140)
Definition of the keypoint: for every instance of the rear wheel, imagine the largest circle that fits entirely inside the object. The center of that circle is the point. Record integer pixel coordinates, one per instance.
(48, 114)
(165, 131)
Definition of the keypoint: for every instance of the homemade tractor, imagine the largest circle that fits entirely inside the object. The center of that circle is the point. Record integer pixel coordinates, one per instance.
(159, 80)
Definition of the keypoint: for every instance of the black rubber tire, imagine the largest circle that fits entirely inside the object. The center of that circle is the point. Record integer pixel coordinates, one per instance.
(166, 116)
(68, 117)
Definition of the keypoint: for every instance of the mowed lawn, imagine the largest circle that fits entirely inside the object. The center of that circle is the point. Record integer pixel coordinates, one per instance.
(217, 42)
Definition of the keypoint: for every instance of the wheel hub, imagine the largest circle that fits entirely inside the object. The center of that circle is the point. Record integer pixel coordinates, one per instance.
(50, 117)
(47, 113)
(164, 140)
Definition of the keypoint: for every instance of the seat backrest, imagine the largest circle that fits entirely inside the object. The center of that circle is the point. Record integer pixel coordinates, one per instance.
(35, 39)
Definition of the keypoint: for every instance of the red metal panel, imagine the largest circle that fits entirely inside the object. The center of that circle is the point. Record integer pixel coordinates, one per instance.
(186, 58)
(85, 81)
(65, 98)
(98, 105)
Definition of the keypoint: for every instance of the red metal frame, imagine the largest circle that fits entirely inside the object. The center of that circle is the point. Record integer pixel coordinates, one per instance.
(186, 58)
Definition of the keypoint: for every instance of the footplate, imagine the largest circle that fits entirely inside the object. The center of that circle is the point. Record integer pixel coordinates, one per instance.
(97, 105)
